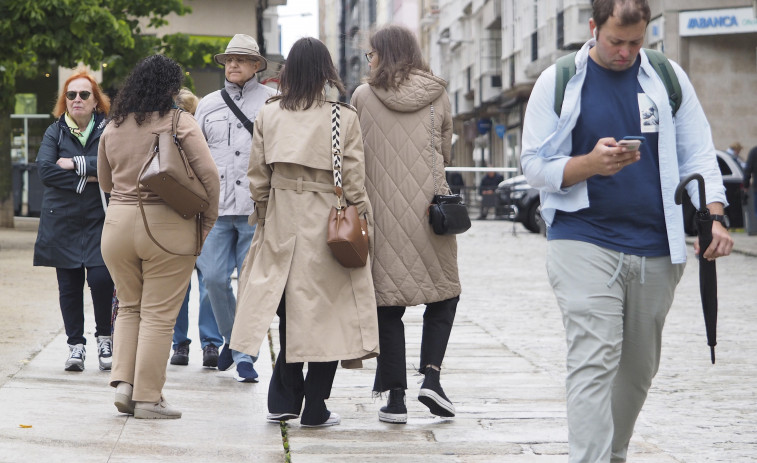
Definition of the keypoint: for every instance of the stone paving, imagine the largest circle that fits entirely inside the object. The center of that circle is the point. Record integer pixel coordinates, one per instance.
(504, 371)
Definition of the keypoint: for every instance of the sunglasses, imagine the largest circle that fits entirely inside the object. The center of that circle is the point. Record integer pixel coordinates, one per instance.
(369, 55)
(238, 59)
(71, 95)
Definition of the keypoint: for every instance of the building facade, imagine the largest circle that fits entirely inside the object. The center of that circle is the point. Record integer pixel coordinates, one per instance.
(492, 51)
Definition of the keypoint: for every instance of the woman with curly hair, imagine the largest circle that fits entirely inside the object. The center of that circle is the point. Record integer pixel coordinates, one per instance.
(72, 214)
(151, 282)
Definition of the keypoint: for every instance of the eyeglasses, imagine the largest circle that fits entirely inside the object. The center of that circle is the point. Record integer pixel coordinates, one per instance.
(71, 95)
(238, 59)
(369, 55)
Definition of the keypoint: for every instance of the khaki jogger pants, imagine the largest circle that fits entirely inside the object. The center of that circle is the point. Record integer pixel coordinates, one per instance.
(614, 308)
(150, 285)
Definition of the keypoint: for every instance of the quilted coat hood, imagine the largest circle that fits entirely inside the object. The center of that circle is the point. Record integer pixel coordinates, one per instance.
(419, 90)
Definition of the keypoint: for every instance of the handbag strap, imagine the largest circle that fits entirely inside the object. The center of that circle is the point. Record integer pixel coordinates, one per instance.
(336, 152)
(248, 124)
(150, 157)
(433, 149)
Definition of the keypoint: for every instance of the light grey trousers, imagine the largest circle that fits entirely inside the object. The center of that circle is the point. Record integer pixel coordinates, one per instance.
(614, 308)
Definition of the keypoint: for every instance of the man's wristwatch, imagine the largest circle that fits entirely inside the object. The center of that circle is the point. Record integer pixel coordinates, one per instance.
(723, 219)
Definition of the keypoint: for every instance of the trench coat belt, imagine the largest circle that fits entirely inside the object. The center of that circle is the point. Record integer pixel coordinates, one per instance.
(280, 182)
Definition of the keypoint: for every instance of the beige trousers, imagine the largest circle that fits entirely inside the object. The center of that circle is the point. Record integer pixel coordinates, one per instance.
(614, 307)
(150, 285)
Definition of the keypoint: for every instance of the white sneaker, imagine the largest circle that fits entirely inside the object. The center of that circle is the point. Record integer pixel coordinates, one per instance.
(76, 355)
(158, 410)
(105, 352)
(123, 401)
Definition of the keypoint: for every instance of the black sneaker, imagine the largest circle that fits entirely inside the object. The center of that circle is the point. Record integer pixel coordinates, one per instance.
(432, 395)
(395, 410)
(181, 354)
(210, 356)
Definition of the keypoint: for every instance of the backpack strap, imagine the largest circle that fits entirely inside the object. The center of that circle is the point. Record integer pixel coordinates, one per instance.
(664, 69)
(566, 68)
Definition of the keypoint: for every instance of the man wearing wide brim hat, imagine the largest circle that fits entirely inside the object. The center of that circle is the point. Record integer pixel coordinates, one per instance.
(242, 45)
(227, 124)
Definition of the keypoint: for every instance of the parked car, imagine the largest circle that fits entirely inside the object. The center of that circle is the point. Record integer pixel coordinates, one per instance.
(520, 202)
(733, 177)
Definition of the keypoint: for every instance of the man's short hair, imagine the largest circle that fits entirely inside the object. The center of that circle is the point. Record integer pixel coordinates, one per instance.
(630, 11)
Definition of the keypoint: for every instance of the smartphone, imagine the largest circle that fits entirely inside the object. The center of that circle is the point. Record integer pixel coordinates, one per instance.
(631, 143)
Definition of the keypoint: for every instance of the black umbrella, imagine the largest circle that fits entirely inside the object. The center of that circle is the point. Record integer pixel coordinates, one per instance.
(708, 278)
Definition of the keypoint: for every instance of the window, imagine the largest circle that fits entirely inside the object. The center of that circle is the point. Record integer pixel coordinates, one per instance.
(560, 30)
(534, 46)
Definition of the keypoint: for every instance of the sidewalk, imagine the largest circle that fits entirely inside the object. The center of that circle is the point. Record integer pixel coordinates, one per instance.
(504, 371)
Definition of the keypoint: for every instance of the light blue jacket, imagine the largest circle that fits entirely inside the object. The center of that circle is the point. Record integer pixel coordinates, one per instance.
(230, 143)
(685, 146)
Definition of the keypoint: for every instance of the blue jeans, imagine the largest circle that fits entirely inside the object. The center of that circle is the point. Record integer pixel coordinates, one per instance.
(206, 322)
(224, 250)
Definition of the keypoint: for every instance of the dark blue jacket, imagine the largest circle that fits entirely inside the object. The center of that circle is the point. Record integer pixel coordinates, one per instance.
(72, 215)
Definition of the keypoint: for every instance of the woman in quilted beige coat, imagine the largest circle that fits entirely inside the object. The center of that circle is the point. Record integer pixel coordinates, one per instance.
(411, 265)
(325, 310)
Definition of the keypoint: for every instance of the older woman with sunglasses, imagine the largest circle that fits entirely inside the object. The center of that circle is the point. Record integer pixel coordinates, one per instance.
(72, 215)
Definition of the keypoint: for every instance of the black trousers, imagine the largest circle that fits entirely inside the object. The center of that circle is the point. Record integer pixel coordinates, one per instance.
(437, 326)
(71, 297)
(288, 388)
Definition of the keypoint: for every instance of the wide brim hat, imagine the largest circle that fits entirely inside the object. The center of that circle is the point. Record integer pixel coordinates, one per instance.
(242, 44)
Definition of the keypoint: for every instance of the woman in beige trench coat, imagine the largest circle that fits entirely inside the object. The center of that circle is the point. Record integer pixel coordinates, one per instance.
(412, 265)
(326, 311)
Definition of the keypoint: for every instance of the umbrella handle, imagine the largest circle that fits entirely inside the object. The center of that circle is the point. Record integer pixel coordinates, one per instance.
(702, 196)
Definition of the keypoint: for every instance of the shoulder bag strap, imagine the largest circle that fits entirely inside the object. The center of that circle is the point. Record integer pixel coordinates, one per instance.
(336, 152)
(198, 219)
(433, 150)
(248, 124)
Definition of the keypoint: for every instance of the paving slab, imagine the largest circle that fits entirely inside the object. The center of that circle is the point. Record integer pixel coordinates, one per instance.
(504, 371)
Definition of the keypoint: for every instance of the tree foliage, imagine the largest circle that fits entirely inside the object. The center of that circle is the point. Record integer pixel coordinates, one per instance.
(38, 35)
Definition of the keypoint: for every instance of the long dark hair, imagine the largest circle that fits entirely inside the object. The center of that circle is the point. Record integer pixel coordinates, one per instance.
(307, 70)
(151, 86)
(398, 54)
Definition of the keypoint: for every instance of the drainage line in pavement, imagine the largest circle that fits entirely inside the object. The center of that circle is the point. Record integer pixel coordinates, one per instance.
(282, 424)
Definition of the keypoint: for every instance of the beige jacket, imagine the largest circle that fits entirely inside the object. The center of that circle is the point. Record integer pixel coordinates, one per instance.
(411, 265)
(331, 310)
(123, 151)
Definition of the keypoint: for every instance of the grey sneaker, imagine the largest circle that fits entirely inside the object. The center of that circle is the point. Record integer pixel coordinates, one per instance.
(105, 352)
(76, 356)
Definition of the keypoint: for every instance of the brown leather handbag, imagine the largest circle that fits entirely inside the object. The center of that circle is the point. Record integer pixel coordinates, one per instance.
(168, 174)
(347, 233)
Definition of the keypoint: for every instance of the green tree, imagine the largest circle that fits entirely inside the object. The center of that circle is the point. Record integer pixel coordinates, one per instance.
(38, 35)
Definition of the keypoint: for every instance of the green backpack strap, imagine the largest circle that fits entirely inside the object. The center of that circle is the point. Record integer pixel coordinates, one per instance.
(664, 69)
(566, 68)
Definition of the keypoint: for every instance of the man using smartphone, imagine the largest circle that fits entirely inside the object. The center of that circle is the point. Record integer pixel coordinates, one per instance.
(616, 248)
